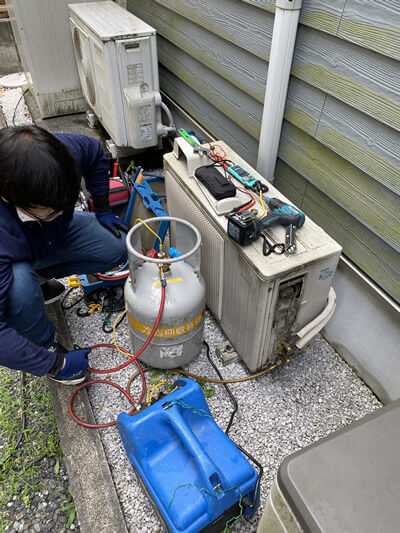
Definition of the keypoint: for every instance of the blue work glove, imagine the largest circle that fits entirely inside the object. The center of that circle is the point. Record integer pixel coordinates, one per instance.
(75, 363)
(111, 222)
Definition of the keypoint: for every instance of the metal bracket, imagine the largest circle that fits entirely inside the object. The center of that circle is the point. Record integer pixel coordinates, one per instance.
(289, 5)
(226, 353)
(201, 150)
(92, 119)
(194, 160)
(112, 148)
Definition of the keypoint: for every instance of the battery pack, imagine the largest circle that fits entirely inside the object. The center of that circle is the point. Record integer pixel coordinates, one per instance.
(195, 477)
(218, 185)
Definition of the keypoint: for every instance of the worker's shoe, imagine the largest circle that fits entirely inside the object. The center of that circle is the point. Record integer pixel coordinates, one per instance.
(74, 380)
(52, 290)
(75, 364)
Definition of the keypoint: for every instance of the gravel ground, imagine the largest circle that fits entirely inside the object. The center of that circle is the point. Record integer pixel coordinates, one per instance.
(14, 107)
(46, 511)
(49, 499)
(279, 413)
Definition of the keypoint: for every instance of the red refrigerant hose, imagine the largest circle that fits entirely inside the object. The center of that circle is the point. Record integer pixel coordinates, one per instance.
(132, 359)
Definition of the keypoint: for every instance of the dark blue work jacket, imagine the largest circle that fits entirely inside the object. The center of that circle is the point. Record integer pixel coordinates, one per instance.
(28, 241)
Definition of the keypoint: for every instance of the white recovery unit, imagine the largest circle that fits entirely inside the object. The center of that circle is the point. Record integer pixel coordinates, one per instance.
(266, 305)
(116, 54)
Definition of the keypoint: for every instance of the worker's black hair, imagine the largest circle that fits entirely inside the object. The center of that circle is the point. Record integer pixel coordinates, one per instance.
(37, 169)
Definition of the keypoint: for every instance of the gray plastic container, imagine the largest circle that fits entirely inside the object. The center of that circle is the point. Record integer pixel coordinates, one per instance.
(348, 482)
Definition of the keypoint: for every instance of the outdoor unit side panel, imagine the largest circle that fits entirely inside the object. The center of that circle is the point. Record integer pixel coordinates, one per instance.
(154, 63)
(246, 318)
(318, 281)
(181, 205)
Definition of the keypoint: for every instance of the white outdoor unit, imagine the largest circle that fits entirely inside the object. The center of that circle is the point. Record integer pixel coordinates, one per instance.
(116, 55)
(265, 304)
(43, 38)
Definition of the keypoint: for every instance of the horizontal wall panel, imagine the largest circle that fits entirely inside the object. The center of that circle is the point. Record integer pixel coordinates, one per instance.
(359, 194)
(324, 15)
(243, 69)
(218, 124)
(375, 257)
(234, 103)
(290, 183)
(241, 24)
(372, 148)
(304, 105)
(373, 24)
(369, 145)
(268, 5)
(361, 78)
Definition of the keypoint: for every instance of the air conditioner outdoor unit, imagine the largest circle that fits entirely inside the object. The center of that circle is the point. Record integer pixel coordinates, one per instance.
(116, 55)
(265, 304)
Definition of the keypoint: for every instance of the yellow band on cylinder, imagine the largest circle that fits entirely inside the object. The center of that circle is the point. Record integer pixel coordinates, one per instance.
(176, 331)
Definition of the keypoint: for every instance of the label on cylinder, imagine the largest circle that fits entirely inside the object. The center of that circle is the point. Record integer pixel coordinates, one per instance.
(175, 331)
(171, 351)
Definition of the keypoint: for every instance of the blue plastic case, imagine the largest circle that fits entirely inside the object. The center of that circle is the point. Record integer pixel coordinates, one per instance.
(175, 446)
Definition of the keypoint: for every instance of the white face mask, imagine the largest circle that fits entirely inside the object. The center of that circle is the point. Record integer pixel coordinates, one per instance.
(24, 217)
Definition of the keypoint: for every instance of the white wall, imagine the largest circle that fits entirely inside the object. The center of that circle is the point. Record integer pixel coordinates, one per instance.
(365, 330)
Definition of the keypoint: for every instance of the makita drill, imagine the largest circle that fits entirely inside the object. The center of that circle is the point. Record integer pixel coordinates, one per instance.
(246, 227)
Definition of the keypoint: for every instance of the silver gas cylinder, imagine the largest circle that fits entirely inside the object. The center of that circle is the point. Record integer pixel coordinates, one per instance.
(179, 336)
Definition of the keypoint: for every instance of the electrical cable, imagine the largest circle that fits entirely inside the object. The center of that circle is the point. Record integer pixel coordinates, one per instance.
(228, 390)
(16, 107)
(125, 180)
(65, 297)
(106, 320)
(235, 408)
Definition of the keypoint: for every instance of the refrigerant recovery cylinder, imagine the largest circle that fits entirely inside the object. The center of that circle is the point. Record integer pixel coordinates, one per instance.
(179, 336)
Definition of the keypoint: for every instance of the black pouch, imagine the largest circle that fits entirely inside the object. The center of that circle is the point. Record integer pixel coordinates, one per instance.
(218, 185)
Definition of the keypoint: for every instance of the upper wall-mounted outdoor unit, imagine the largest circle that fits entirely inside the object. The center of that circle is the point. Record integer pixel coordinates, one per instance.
(43, 38)
(116, 55)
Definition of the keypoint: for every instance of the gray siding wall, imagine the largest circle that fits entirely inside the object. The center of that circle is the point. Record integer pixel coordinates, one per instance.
(339, 156)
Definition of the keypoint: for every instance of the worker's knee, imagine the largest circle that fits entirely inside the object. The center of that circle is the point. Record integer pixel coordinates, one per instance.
(24, 290)
(116, 251)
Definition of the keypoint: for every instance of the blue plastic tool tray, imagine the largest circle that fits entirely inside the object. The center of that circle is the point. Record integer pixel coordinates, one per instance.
(192, 472)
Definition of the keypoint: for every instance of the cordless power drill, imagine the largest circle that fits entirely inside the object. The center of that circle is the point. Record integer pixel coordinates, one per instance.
(246, 227)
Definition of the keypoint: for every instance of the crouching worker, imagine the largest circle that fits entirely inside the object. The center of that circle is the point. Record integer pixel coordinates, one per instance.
(42, 238)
